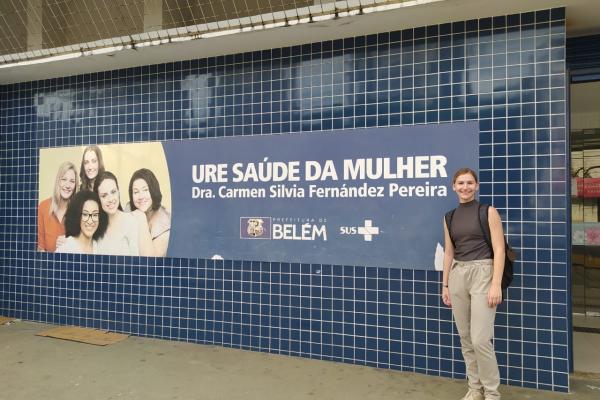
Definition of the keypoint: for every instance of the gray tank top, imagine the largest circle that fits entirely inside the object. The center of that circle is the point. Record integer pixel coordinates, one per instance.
(466, 232)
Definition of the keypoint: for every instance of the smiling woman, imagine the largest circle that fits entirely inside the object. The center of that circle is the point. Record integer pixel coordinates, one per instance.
(471, 283)
(92, 164)
(127, 233)
(51, 211)
(85, 224)
(145, 195)
(150, 215)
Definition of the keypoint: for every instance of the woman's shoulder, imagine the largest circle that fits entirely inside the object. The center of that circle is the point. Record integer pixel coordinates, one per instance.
(160, 223)
(132, 219)
(163, 214)
(70, 245)
(162, 217)
(493, 213)
(44, 209)
(128, 215)
(484, 206)
(45, 204)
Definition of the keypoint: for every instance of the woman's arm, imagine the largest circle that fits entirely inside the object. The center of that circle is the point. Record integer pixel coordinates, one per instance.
(448, 257)
(495, 292)
(160, 230)
(41, 234)
(161, 243)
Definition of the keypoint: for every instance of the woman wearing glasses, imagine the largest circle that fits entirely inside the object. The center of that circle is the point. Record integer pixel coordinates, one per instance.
(85, 224)
(51, 212)
(127, 234)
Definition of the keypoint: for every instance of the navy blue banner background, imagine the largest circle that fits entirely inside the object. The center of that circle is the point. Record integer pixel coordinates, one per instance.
(405, 230)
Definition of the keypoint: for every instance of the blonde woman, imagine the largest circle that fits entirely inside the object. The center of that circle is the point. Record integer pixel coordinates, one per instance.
(471, 283)
(51, 212)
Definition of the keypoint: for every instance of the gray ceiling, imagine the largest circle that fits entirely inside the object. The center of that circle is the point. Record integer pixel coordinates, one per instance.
(83, 21)
(27, 25)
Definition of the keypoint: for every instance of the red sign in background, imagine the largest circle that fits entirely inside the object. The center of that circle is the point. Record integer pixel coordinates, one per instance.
(588, 187)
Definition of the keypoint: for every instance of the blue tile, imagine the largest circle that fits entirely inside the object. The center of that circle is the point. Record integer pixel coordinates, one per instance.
(507, 72)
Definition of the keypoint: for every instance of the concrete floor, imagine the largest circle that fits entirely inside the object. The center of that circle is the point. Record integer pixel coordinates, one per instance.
(33, 367)
(586, 346)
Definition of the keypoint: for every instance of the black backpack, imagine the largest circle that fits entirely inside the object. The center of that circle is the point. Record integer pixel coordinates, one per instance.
(510, 255)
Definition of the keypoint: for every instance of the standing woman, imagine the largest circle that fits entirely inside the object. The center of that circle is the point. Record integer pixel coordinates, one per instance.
(472, 284)
(51, 211)
(145, 195)
(92, 165)
(85, 223)
(127, 233)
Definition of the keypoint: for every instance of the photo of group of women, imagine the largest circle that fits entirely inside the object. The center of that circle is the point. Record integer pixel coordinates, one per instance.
(112, 200)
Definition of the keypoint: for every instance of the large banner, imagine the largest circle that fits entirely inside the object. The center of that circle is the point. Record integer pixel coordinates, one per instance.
(372, 197)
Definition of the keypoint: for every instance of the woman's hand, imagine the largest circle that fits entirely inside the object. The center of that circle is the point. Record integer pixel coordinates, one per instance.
(494, 295)
(446, 296)
(60, 240)
(145, 240)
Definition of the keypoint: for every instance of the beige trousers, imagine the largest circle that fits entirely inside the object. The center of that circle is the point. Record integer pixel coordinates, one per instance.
(468, 283)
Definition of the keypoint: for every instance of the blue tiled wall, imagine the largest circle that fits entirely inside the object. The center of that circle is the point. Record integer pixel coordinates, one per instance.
(506, 72)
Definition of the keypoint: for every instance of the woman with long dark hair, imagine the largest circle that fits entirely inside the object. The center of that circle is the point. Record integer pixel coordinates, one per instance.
(92, 165)
(85, 224)
(127, 233)
(145, 195)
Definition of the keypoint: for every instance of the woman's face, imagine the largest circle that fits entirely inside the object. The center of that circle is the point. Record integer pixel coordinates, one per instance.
(142, 199)
(67, 185)
(90, 217)
(109, 196)
(465, 187)
(90, 164)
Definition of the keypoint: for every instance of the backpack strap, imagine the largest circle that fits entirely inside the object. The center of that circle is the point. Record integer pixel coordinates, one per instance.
(485, 228)
(448, 217)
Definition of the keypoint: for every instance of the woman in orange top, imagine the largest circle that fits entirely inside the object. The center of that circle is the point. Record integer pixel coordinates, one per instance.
(51, 211)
